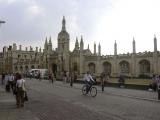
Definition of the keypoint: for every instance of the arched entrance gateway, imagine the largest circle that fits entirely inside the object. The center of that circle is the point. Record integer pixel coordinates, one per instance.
(107, 68)
(144, 66)
(54, 68)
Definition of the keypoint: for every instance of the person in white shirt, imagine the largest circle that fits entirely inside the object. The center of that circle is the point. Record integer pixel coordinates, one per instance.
(20, 85)
(6, 79)
(88, 81)
(11, 81)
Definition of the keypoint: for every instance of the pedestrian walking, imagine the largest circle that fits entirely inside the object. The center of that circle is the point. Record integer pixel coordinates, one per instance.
(11, 81)
(50, 78)
(53, 77)
(3, 78)
(71, 79)
(68, 76)
(21, 91)
(102, 78)
(31, 75)
(39, 76)
(64, 77)
(121, 81)
(158, 86)
(154, 84)
(6, 82)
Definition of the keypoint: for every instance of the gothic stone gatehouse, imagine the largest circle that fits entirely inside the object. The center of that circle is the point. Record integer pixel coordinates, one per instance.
(79, 60)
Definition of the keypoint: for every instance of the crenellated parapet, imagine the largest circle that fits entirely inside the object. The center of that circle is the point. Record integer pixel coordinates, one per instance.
(145, 54)
(107, 56)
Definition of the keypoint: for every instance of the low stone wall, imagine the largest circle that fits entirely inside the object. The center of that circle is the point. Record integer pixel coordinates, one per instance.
(128, 86)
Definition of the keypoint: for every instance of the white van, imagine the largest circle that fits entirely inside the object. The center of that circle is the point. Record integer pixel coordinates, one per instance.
(35, 72)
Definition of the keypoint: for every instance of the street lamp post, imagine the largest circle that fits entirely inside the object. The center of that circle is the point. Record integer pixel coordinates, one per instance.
(2, 22)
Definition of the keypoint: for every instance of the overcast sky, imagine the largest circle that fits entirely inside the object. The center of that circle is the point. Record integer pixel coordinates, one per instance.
(28, 22)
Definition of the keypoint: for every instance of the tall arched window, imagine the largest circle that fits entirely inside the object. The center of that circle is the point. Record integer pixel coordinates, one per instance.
(144, 67)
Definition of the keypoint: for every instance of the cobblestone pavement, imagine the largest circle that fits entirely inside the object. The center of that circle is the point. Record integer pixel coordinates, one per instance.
(61, 102)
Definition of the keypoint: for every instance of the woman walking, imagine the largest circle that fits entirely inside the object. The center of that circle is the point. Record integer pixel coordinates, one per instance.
(20, 86)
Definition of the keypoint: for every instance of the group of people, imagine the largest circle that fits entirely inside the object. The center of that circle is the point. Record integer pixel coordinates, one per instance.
(155, 84)
(16, 84)
(69, 77)
(52, 77)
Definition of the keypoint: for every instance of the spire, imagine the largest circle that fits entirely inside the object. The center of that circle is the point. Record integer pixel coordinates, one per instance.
(94, 48)
(134, 45)
(88, 46)
(115, 48)
(76, 39)
(63, 24)
(50, 42)
(155, 43)
(99, 49)
(81, 40)
(40, 49)
(46, 42)
(45, 45)
(77, 44)
(81, 43)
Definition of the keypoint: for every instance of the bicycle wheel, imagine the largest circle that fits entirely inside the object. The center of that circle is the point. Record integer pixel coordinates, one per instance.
(84, 90)
(93, 91)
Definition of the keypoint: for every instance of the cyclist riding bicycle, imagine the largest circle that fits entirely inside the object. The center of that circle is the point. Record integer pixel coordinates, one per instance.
(88, 81)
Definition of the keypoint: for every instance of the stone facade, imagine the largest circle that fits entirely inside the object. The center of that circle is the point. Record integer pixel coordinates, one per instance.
(79, 60)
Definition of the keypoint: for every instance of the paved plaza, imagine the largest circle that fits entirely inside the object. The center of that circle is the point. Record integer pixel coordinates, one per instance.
(59, 101)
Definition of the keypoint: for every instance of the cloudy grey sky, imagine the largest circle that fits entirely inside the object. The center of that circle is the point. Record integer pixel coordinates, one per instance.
(28, 22)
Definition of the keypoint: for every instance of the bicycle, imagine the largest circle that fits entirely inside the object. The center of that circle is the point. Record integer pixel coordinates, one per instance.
(92, 90)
